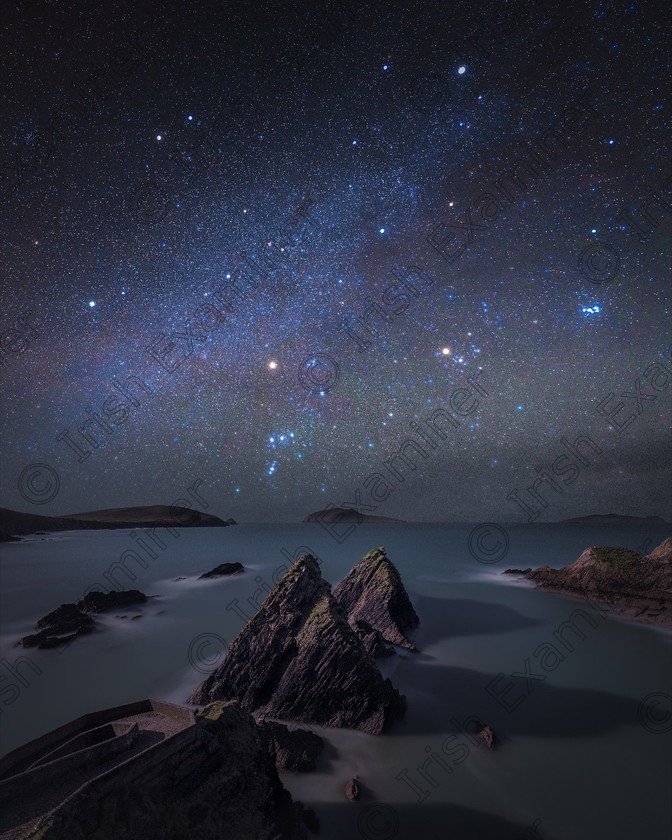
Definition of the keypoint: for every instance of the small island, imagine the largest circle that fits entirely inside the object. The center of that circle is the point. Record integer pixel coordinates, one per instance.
(337, 515)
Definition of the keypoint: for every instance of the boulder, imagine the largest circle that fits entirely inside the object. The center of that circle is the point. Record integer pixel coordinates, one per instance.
(352, 789)
(487, 737)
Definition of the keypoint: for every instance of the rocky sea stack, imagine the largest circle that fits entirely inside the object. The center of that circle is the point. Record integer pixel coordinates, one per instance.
(636, 586)
(372, 595)
(299, 659)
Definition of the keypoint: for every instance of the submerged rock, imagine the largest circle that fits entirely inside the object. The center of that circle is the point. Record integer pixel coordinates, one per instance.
(373, 592)
(296, 750)
(223, 569)
(298, 659)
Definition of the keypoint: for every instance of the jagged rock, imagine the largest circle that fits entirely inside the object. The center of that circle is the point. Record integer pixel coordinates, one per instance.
(352, 789)
(295, 749)
(487, 737)
(68, 621)
(298, 659)
(223, 569)
(99, 602)
(371, 639)
(373, 592)
(221, 782)
(231, 521)
(635, 586)
(59, 626)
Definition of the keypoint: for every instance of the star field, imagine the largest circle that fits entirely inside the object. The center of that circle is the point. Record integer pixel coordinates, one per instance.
(209, 201)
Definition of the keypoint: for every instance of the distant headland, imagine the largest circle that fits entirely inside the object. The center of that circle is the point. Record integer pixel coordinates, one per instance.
(13, 523)
(613, 519)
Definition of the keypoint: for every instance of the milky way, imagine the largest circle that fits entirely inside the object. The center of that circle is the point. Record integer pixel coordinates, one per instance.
(261, 248)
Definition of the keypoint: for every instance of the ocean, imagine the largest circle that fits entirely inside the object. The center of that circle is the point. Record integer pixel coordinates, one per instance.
(584, 719)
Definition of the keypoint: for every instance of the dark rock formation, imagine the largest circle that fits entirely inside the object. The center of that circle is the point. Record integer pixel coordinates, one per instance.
(295, 749)
(635, 586)
(352, 789)
(223, 569)
(337, 515)
(487, 737)
(59, 626)
(231, 521)
(66, 622)
(99, 602)
(373, 592)
(298, 659)
(219, 781)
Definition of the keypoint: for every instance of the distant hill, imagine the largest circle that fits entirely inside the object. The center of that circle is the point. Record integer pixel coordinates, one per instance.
(14, 523)
(614, 519)
(341, 514)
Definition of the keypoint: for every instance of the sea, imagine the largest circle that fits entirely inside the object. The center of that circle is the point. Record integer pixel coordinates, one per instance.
(580, 702)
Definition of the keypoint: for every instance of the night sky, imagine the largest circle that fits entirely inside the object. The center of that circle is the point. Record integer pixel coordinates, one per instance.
(197, 206)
